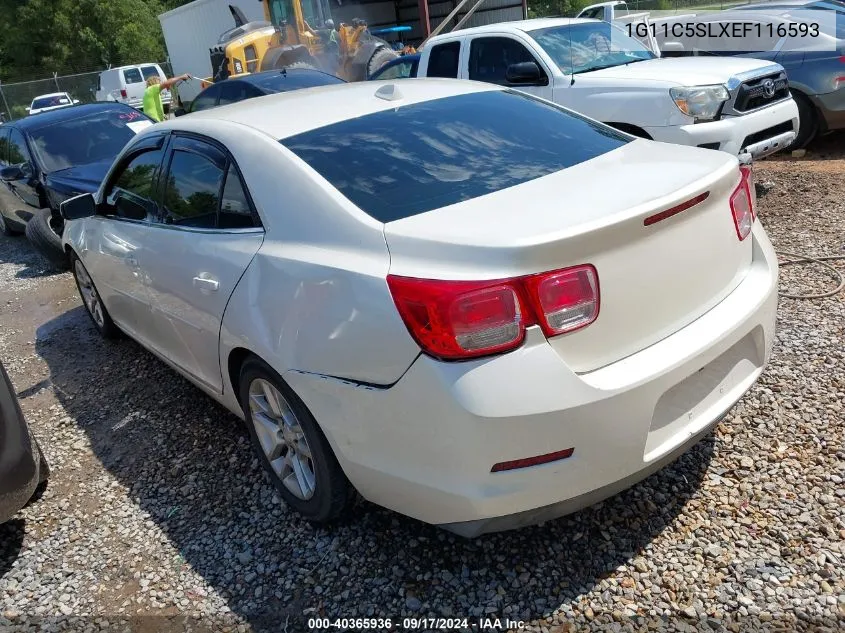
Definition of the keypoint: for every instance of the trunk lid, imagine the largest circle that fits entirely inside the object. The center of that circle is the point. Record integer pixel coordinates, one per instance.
(653, 279)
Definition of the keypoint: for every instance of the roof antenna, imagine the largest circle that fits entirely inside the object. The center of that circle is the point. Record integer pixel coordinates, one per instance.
(571, 61)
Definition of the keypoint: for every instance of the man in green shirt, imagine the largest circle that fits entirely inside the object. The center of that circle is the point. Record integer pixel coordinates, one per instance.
(152, 95)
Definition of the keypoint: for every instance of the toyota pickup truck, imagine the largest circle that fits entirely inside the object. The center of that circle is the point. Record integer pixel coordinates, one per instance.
(737, 105)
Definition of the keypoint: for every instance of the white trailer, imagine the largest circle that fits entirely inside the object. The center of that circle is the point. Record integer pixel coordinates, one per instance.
(192, 29)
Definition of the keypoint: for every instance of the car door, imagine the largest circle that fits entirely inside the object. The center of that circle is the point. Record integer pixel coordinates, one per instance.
(397, 69)
(8, 200)
(204, 238)
(25, 188)
(489, 59)
(119, 234)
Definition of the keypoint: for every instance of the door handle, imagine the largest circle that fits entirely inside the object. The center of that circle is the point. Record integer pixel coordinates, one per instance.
(206, 284)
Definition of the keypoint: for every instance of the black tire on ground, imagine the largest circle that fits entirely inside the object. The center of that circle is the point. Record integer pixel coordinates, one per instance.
(107, 328)
(379, 58)
(808, 122)
(333, 494)
(41, 230)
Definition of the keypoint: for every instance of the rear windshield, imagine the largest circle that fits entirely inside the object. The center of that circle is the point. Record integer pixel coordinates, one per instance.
(295, 79)
(96, 137)
(409, 160)
(50, 102)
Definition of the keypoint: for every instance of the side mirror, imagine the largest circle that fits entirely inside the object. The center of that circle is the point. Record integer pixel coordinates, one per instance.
(11, 173)
(524, 73)
(672, 49)
(75, 101)
(27, 108)
(179, 112)
(82, 206)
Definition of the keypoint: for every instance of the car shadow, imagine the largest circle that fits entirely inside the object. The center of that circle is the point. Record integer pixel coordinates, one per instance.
(11, 541)
(829, 146)
(17, 250)
(189, 466)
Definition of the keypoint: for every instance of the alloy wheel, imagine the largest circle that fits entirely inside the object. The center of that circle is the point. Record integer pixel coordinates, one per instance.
(89, 294)
(282, 439)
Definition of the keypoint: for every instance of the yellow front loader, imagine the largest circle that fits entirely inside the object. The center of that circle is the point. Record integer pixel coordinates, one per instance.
(298, 33)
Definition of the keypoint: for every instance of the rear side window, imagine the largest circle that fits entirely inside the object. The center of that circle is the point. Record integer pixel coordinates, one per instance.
(409, 160)
(149, 71)
(443, 60)
(132, 76)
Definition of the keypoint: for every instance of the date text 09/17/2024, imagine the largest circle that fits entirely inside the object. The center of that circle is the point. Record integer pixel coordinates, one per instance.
(415, 624)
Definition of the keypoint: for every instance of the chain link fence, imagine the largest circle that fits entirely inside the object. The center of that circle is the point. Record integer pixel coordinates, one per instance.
(16, 97)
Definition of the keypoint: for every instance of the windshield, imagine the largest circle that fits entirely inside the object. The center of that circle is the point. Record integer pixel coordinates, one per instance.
(580, 48)
(315, 12)
(50, 102)
(89, 139)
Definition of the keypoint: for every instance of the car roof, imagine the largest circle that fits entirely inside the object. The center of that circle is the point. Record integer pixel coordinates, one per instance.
(526, 26)
(67, 113)
(285, 114)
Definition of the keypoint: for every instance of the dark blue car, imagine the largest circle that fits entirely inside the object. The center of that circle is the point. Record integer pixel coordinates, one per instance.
(49, 157)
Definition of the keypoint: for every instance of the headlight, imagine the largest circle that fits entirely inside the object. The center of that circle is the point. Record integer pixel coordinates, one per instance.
(700, 102)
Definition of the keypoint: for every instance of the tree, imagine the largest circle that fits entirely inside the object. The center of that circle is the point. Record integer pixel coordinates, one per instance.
(41, 37)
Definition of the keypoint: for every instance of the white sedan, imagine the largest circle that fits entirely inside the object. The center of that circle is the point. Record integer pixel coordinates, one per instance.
(472, 306)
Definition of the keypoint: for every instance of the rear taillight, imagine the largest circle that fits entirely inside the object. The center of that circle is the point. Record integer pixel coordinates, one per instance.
(454, 320)
(565, 300)
(123, 94)
(743, 201)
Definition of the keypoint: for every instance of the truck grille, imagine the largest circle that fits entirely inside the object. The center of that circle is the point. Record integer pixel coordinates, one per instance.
(761, 91)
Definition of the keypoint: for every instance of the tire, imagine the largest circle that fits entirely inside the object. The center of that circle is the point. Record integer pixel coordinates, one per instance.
(41, 232)
(91, 300)
(379, 58)
(808, 122)
(316, 487)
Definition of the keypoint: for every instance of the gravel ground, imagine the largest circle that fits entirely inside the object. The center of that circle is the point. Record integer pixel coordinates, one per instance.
(158, 517)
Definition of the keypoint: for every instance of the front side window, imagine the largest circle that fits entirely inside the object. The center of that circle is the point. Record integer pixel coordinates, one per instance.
(132, 76)
(489, 58)
(132, 196)
(4, 147)
(443, 60)
(588, 46)
(192, 190)
(412, 159)
(18, 151)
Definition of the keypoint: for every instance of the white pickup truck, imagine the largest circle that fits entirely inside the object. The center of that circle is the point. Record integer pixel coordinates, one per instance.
(733, 104)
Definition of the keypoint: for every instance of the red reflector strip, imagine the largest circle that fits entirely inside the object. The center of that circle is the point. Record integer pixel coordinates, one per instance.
(532, 461)
(668, 213)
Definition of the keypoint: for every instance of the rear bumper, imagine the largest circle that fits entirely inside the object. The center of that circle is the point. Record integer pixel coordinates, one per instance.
(832, 109)
(19, 457)
(760, 133)
(425, 446)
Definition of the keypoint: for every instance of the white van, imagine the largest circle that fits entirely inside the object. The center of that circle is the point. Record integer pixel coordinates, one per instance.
(126, 84)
